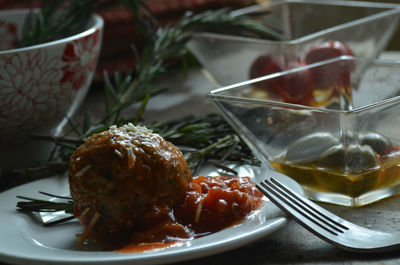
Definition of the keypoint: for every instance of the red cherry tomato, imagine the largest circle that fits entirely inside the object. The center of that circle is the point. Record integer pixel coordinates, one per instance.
(294, 88)
(297, 86)
(337, 73)
(265, 65)
(327, 50)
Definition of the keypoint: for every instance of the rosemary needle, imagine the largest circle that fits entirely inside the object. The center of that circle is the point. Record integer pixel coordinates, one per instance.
(38, 205)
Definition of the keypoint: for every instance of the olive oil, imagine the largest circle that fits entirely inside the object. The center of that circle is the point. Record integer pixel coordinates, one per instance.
(373, 184)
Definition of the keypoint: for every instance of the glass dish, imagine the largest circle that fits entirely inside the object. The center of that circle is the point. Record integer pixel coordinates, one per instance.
(341, 138)
(364, 27)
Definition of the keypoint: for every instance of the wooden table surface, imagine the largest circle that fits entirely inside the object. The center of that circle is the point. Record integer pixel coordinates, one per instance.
(293, 244)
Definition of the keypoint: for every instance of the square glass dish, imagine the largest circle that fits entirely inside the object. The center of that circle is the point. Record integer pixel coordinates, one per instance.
(363, 28)
(340, 140)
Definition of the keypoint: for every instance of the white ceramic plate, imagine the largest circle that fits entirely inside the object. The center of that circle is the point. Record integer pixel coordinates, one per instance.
(25, 241)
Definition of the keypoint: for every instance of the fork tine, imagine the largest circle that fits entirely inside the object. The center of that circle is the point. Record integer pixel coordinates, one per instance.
(313, 209)
(324, 224)
(300, 208)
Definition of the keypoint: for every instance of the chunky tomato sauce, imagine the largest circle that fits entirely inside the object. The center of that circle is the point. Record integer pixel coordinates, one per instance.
(209, 205)
(213, 203)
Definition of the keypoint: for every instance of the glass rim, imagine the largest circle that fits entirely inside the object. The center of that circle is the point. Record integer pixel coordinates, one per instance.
(217, 94)
(389, 9)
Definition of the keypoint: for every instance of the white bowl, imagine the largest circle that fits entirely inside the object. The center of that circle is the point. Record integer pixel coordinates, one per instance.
(41, 86)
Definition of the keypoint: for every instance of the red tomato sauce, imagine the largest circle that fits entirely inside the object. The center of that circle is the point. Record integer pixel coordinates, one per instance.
(143, 247)
(213, 203)
(209, 205)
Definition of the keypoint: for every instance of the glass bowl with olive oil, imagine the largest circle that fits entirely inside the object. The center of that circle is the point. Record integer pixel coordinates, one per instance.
(333, 126)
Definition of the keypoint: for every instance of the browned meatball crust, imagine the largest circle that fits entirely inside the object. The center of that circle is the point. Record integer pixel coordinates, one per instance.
(125, 178)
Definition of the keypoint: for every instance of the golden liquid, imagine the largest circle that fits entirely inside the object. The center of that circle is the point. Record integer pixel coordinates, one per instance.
(386, 175)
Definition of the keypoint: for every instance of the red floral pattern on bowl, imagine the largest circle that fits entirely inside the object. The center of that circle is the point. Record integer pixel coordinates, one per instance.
(42, 85)
(81, 57)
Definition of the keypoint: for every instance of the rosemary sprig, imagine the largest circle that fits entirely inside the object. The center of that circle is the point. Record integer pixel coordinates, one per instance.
(166, 44)
(208, 138)
(227, 22)
(33, 205)
(56, 20)
(144, 20)
(11, 178)
(37, 205)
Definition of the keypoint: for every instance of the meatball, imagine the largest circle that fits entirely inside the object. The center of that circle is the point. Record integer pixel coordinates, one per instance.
(123, 180)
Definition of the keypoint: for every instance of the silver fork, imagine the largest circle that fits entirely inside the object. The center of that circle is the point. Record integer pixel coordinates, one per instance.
(324, 224)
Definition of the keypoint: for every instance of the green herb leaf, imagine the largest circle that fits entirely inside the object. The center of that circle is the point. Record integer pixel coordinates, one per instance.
(55, 20)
